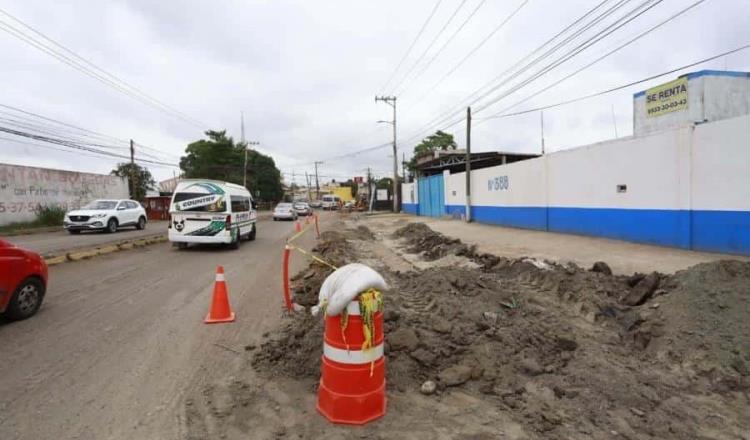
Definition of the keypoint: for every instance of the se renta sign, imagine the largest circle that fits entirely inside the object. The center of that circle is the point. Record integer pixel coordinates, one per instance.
(667, 98)
(198, 201)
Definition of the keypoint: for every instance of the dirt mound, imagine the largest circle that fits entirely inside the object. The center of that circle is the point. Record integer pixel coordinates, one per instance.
(334, 249)
(703, 323)
(567, 352)
(429, 244)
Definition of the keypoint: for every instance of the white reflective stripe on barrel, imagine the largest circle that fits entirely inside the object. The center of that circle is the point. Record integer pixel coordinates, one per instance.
(219, 277)
(353, 308)
(354, 357)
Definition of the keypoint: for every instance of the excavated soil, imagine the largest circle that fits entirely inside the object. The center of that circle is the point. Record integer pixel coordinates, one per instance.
(545, 351)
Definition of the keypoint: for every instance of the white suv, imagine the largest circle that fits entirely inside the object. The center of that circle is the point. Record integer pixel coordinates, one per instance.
(105, 215)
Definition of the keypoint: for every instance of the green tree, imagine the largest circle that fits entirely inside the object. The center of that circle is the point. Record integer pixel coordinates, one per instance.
(220, 158)
(438, 141)
(144, 181)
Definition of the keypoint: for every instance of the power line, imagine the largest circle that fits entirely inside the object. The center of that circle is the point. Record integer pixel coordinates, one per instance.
(607, 54)
(411, 46)
(469, 54)
(614, 89)
(476, 94)
(74, 145)
(104, 76)
(44, 124)
(447, 42)
(602, 34)
(429, 46)
(587, 44)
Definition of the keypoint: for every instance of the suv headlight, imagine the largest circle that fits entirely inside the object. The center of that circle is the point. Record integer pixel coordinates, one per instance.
(101, 215)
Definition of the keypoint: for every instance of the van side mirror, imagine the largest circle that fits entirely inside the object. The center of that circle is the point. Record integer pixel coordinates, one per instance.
(254, 204)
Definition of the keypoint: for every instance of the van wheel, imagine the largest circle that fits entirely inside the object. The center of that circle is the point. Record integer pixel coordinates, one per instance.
(235, 244)
(251, 235)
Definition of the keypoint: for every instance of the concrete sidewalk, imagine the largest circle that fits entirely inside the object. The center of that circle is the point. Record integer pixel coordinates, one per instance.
(622, 257)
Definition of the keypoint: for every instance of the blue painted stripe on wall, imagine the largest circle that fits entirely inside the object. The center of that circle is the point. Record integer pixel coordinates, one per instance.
(654, 226)
(527, 217)
(409, 208)
(722, 231)
(714, 231)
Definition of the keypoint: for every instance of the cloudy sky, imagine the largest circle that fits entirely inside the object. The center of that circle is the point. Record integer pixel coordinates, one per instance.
(305, 73)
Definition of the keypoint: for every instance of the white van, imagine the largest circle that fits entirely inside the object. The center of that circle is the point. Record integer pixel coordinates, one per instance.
(330, 202)
(210, 211)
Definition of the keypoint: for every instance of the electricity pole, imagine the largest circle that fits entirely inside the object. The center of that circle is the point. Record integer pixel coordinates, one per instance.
(403, 165)
(391, 100)
(317, 183)
(132, 170)
(307, 178)
(244, 178)
(542, 122)
(468, 164)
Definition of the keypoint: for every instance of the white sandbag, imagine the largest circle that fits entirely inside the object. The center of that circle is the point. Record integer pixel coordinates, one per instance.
(344, 284)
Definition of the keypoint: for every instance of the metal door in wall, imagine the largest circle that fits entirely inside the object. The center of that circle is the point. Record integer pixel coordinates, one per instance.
(432, 196)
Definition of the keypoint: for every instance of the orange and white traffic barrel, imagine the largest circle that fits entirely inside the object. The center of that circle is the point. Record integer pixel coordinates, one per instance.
(352, 383)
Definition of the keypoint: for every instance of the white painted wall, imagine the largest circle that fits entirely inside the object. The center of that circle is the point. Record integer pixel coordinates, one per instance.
(706, 167)
(22, 189)
(525, 185)
(587, 177)
(721, 165)
(409, 193)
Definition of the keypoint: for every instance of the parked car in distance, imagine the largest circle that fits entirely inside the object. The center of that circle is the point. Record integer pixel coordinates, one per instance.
(302, 208)
(105, 215)
(23, 281)
(284, 211)
(315, 204)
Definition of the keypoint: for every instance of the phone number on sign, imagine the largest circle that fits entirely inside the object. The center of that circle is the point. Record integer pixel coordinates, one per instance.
(667, 106)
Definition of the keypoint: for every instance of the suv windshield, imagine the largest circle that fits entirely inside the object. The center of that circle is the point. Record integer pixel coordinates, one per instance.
(101, 204)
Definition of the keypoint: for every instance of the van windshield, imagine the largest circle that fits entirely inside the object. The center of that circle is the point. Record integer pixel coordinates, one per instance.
(199, 202)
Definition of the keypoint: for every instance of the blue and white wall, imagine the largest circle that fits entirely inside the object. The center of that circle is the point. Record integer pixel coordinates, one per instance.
(687, 187)
(409, 198)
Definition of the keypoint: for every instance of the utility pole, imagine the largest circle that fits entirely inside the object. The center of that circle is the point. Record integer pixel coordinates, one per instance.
(244, 178)
(391, 100)
(307, 179)
(317, 183)
(468, 164)
(132, 169)
(542, 121)
(403, 165)
(242, 127)
(614, 120)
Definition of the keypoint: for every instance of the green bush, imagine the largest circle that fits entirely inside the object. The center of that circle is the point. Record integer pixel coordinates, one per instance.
(49, 216)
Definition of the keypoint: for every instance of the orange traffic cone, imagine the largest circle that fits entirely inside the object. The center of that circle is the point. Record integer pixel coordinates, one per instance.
(220, 310)
(297, 227)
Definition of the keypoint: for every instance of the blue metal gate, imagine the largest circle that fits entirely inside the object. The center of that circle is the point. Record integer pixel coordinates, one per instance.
(432, 196)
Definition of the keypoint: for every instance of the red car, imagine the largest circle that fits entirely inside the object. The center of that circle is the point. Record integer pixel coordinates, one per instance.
(23, 281)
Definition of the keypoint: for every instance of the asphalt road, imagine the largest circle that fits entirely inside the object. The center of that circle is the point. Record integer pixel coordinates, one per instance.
(47, 243)
(121, 337)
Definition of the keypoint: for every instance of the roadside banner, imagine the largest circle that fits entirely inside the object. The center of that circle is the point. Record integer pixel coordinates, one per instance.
(667, 98)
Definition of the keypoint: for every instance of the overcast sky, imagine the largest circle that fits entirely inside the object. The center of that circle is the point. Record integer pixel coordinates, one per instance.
(305, 73)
